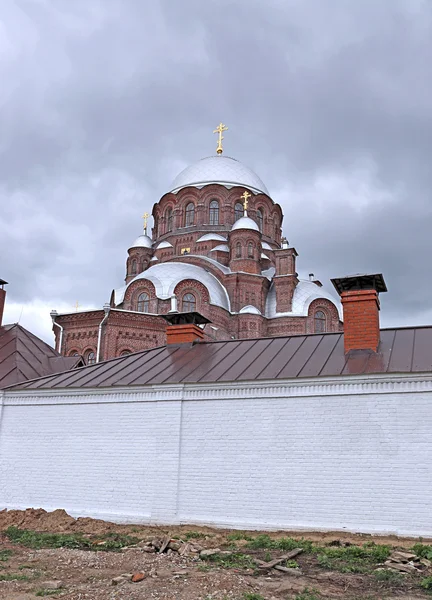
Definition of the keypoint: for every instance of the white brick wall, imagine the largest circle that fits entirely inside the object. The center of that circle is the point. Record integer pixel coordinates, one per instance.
(355, 457)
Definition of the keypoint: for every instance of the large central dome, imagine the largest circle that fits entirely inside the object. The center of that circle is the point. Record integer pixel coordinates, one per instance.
(218, 169)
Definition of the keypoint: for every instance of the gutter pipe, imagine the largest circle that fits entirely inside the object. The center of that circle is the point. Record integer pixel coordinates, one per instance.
(53, 315)
(107, 309)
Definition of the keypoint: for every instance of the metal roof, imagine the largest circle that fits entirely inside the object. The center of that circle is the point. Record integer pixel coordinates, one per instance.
(406, 350)
(24, 356)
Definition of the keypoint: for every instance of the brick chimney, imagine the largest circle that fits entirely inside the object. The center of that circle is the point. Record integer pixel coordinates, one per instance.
(2, 299)
(183, 327)
(359, 296)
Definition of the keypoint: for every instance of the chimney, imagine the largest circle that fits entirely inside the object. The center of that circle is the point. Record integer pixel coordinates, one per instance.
(359, 296)
(2, 299)
(183, 328)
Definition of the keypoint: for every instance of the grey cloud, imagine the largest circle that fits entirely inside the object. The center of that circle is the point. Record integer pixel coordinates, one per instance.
(105, 101)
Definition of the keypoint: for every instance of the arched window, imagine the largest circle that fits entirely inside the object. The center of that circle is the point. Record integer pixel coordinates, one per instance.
(238, 211)
(90, 357)
(319, 322)
(143, 302)
(133, 267)
(188, 303)
(238, 250)
(190, 214)
(250, 250)
(125, 353)
(169, 219)
(214, 212)
(260, 218)
(73, 353)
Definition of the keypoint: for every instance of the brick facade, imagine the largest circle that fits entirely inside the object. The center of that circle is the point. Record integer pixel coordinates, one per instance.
(246, 262)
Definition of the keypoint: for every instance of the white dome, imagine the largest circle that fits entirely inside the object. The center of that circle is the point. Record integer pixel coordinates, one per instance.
(245, 223)
(166, 276)
(143, 241)
(219, 169)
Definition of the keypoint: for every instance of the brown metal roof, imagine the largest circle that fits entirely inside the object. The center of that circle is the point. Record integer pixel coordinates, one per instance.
(24, 356)
(406, 350)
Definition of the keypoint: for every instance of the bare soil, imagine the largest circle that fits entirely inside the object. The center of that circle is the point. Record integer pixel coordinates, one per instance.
(87, 574)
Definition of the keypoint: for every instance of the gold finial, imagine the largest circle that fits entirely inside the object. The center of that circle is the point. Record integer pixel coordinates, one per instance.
(220, 129)
(76, 306)
(145, 217)
(245, 197)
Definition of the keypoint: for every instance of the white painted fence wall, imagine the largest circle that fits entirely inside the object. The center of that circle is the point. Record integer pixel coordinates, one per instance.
(334, 455)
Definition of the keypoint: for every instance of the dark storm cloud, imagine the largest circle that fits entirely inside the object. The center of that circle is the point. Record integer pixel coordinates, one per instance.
(103, 102)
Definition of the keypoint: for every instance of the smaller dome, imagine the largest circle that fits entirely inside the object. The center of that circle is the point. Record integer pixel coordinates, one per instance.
(163, 245)
(245, 223)
(249, 309)
(142, 241)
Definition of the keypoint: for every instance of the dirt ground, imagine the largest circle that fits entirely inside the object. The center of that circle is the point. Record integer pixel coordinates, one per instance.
(27, 573)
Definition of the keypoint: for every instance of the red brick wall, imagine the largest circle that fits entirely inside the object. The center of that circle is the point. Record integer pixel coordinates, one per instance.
(361, 320)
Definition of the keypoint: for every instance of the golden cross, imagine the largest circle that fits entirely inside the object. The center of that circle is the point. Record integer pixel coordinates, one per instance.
(76, 306)
(245, 197)
(145, 217)
(220, 129)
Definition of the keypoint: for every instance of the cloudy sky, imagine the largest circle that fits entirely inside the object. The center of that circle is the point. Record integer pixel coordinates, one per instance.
(103, 102)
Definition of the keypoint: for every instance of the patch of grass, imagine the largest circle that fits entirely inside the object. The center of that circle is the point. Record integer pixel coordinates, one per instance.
(44, 592)
(236, 560)
(292, 564)
(422, 551)
(426, 583)
(353, 559)
(5, 555)
(204, 567)
(193, 535)
(308, 594)
(389, 577)
(14, 577)
(22, 567)
(252, 596)
(113, 542)
(264, 541)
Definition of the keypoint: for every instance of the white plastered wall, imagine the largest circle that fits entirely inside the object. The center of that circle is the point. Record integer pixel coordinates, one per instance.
(345, 454)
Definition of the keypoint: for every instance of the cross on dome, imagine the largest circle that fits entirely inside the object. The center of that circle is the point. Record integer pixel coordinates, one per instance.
(245, 197)
(145, 217)
(220, 129)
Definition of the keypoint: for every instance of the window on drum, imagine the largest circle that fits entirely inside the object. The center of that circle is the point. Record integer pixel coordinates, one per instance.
(143, 302)
(214, 212)
(169, 220)
(238, 211)
(260, 218)
(190, 214)
(188, 303)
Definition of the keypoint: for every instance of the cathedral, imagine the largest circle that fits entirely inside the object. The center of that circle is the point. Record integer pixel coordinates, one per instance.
(216, 248)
